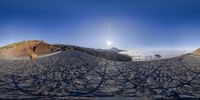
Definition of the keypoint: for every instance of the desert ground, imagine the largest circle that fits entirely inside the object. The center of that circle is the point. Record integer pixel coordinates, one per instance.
(78, 75)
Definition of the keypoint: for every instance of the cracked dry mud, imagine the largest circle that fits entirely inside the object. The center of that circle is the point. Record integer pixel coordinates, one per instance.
(77, 74)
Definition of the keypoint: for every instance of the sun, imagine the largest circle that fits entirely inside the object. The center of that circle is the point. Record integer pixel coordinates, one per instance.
(109, 43)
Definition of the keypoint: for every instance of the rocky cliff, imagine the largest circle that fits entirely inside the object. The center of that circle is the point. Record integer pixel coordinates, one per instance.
(31, 48)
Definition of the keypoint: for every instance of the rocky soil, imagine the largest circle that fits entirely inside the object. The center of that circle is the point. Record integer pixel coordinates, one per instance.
(78, 74)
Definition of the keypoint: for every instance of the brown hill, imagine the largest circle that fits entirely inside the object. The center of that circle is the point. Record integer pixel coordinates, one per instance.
(31, 48)
(34, 48)
(197, 52)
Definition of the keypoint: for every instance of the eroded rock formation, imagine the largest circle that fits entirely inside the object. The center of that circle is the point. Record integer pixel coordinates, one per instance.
(30, 49)
(197, 52)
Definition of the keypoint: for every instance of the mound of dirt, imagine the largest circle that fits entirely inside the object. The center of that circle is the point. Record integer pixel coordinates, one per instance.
(31, 49)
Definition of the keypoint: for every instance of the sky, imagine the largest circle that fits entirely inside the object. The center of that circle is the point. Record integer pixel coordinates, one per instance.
(126, 24)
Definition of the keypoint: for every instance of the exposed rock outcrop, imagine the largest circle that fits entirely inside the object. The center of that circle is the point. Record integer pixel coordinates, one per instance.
(33, 56)
(27, 49)
(197, 52)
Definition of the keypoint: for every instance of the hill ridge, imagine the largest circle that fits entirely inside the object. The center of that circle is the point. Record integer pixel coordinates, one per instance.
(35, 48)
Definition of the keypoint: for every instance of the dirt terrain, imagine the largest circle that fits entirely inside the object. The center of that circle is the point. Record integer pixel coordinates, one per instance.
(66, 71)
(75, 74)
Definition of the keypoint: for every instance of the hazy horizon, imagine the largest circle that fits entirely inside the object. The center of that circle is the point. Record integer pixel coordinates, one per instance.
(126, 24)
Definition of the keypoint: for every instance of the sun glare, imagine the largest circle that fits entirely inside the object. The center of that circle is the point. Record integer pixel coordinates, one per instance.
(109, 43)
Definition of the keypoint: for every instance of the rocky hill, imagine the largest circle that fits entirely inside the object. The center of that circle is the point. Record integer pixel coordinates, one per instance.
(35, 48)
(197, 52)
(31, 48)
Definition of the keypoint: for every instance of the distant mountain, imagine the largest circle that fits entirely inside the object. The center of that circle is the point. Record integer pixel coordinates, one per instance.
(35, 48)
(103, 53)
(116, 49)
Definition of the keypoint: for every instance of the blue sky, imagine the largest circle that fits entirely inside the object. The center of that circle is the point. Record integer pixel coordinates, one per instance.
(128, 24)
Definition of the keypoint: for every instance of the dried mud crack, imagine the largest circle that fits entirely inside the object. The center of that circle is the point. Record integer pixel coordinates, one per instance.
(78, 74)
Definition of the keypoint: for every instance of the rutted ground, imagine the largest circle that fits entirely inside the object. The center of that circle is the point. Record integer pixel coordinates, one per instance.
(74, 73)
